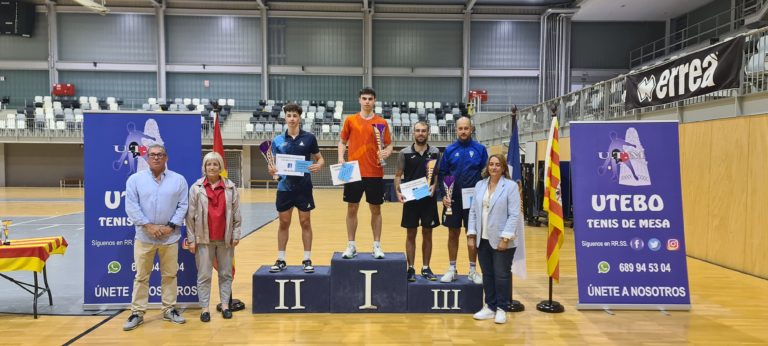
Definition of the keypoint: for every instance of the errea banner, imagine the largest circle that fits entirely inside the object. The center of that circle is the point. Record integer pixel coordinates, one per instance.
(115, 146)
(702, 72)
(628, 217)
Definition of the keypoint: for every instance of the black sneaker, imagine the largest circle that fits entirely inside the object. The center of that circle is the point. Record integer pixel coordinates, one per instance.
(308, 268)
(411, 274)
(427, 274)
(279, 266)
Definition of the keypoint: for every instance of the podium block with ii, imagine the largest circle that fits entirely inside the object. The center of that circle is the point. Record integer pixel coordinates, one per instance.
(365, 284)
(292, 290)
(460, 296)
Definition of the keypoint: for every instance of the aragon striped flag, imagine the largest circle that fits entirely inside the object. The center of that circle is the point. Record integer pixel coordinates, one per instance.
(553, 202)
(218, 144)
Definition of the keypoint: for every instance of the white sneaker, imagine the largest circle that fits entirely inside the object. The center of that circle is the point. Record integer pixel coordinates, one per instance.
(350, 252)
(501, 316)
(484, 314)
(475, 277)
(449, 276)
(378, 253)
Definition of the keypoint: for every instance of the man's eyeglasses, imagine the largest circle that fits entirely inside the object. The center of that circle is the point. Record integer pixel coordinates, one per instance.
(156, 156)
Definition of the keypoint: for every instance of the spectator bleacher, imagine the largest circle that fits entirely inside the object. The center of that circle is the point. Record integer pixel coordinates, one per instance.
(325, 118)
(63, 115)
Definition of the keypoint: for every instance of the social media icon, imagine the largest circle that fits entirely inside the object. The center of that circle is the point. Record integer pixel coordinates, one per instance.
(113, 267)
(636, 244)
(603, 267)
(673, 245)
(654, 244)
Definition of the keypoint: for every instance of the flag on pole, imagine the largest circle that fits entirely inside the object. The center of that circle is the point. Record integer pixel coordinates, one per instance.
(553, 202)
(218, 146)
(513, 162)
(218, 143)
(513, 154)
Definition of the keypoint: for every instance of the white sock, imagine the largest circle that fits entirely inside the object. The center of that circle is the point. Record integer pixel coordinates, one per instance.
(306, 255)
(472, 267)
(452, 266)
(281, 255)
(351, 243)
(424, 267)
(377, 244)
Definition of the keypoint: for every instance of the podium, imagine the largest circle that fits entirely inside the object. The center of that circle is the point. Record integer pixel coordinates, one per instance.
(361, 284)
(366, 284)
(291, 290)
(460, 296)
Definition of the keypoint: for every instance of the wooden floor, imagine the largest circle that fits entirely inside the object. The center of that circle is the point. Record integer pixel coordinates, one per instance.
(729, 308)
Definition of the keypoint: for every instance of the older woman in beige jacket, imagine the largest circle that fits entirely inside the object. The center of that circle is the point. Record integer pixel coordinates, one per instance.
(213, 231)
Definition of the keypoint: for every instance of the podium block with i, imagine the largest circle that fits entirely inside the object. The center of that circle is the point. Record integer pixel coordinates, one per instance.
(292, 290)
(460, 296)
(365, 284)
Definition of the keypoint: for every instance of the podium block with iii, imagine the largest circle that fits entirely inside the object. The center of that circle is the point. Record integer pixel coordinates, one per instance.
(365, 284)
(460, 296)
(292, 290)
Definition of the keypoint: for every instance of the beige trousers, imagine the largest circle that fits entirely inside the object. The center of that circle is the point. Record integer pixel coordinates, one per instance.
(204, 259)
(144, 256)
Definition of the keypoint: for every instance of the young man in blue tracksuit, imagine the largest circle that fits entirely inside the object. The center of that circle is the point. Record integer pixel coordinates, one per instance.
(464, 159)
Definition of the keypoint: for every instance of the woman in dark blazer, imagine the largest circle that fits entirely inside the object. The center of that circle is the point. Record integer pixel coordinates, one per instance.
(493, 227)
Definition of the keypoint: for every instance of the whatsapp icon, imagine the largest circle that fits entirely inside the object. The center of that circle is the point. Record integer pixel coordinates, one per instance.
(113, 267)
(603, 267)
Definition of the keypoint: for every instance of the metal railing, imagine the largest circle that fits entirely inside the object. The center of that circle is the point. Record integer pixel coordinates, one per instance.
(604, 101)
(712, 27)
(128, 104)
(232, 129)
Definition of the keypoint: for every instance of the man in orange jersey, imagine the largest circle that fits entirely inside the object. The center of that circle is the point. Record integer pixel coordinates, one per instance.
(358, 132)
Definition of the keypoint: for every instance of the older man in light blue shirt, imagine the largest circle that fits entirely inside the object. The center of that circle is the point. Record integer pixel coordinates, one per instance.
(156, 202)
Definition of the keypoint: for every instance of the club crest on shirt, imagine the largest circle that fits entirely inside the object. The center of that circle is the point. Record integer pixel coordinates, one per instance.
(471, 153)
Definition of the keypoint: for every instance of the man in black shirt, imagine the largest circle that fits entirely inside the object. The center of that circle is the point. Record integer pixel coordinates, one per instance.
(416, 162)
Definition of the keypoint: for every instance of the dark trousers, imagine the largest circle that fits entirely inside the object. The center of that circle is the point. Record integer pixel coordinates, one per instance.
(497, 279)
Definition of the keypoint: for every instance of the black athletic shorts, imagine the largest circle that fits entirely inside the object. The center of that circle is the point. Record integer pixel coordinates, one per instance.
(302, 200)
(421, 212)
(460, 216)
(373, 188)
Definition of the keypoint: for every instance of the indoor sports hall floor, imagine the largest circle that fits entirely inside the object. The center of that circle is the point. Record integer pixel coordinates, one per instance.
(728, 307)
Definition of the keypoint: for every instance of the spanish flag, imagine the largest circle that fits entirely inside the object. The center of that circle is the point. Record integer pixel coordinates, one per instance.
(553, 202)
(218, 144)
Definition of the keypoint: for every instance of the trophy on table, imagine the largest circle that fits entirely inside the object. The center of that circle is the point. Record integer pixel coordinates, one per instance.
(448, 184)
(378, 131)
(4, 234)
(266, 150)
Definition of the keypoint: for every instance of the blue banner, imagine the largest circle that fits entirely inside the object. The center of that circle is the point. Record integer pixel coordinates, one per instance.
(116, 147)
(628, 217)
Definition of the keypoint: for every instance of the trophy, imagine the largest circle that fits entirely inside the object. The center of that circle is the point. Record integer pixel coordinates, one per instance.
(378, 131)
(266, 150)
(430, 170)
(4, 234)
(448, 184)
